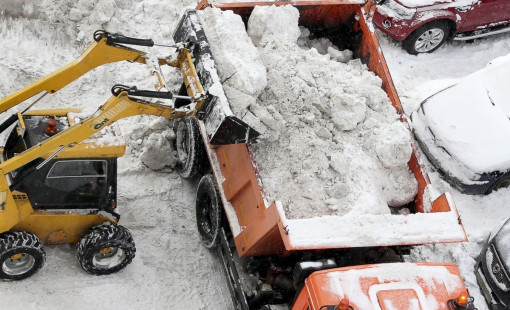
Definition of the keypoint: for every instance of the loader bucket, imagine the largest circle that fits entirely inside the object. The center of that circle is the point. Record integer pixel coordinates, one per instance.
(222, 126)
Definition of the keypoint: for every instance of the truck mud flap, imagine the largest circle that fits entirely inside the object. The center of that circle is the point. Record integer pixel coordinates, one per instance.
(221, 125)
(234, 282)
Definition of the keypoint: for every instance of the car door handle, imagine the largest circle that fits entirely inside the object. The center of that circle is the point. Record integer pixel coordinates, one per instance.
(462, 9)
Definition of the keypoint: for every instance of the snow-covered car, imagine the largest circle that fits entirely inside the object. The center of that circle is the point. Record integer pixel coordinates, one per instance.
(493, 268)
(464, 129)
(425, 25)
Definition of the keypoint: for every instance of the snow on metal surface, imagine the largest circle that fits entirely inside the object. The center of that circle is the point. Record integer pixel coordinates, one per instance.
(366, 230)
(424, 280)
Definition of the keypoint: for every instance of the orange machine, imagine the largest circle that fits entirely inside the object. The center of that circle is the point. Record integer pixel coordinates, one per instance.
(259, 229)
(277, 255)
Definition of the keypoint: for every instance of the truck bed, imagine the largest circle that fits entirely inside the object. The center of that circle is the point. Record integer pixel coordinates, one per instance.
(260, 227)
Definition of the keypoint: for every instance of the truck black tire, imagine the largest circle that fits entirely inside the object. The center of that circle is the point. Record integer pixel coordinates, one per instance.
(209, 208)
(427, 38)
(189, 147)
(106, 249)
(21, 255)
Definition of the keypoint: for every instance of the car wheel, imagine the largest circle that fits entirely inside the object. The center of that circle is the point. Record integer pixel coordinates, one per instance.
(106, 249)
(189, 147)
(427, 38)
(502, 182)
(208, 208)
(21, 255)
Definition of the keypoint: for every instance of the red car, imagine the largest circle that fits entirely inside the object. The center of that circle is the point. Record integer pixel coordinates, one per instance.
(424, 25)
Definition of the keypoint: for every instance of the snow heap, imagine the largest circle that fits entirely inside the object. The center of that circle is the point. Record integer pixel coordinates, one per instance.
(242, 71)
(334, 144)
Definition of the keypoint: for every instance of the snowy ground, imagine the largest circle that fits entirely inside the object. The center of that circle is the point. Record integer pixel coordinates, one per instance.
(172, 270)
(416, 78)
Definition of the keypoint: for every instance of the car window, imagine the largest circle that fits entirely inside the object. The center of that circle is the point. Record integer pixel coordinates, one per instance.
(78, 168)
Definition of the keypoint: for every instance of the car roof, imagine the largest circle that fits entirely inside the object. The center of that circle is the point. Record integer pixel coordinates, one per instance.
(422, 3)
(471, 119)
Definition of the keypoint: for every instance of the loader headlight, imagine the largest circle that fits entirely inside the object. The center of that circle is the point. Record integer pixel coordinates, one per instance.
(393, 9)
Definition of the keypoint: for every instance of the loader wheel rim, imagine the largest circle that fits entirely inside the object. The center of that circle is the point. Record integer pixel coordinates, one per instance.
(108, 258)
(18, 264)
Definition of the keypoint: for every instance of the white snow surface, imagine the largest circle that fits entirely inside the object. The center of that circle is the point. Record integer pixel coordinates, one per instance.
(365, 230)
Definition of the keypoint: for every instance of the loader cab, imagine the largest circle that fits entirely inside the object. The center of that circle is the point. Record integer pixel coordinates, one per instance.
(81, 177)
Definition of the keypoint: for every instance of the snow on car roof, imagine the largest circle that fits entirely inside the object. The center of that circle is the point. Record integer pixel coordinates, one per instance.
(419, 3)
(470, 120)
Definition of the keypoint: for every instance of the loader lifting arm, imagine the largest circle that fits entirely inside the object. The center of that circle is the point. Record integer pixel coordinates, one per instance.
(106, 48)
(119, 106)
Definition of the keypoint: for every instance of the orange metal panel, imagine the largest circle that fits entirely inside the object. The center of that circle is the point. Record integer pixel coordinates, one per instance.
(259, 226)
(316, 283)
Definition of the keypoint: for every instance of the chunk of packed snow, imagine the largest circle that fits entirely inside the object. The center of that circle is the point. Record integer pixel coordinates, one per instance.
(271, 23)
(236, 59)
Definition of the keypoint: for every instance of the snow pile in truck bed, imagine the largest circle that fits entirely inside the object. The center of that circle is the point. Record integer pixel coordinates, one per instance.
(238, 62)
(335, 144)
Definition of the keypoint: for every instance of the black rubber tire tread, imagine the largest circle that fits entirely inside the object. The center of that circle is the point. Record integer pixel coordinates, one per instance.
(21, 242)
(208, 211)
(502, 182)
(409, 42)
(103, 236)
(196, 160)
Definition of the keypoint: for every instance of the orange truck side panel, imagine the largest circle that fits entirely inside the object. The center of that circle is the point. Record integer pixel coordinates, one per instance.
(260, 234)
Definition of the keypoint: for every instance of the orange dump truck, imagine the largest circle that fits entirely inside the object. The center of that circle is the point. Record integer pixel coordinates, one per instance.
(274, 262)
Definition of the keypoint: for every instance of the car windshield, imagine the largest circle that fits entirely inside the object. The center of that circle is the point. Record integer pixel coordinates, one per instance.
(502, 242)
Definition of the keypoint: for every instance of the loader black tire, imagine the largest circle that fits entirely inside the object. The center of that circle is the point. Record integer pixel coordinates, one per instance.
(209, 210)
(21, 255)
(106, 249)
(190, 148)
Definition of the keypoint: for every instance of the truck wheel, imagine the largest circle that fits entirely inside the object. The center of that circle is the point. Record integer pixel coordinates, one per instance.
(21, 255)
(209, 208)
(190, 148)
(106, 249)
(427, 38)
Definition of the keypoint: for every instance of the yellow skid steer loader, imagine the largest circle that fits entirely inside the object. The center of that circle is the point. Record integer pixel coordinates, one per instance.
(58, 187)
